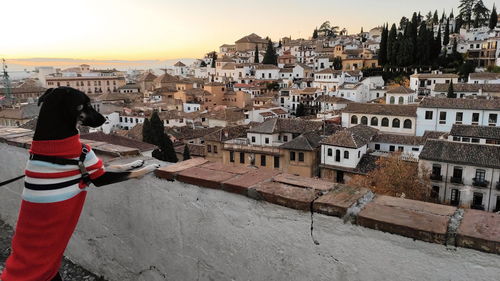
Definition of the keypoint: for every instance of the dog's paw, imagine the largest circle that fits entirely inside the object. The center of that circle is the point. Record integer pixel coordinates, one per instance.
(151, 168)
(136, 164)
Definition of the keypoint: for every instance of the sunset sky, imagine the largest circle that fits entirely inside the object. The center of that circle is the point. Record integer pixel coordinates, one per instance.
(161, 29)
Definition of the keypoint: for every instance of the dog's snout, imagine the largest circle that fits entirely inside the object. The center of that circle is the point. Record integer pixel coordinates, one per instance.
(92, 118)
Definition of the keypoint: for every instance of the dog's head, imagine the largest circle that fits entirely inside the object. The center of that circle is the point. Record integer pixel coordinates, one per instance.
(71, 105)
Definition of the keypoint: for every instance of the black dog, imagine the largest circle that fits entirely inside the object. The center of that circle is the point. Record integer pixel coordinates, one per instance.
(57, 175)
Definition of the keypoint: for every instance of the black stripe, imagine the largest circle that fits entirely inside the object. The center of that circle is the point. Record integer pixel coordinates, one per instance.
(53, 186)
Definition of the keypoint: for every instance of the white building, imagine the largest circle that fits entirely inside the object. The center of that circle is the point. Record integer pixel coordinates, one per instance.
(388, 118)
(462, 90)
(484, 78)
(440, 114)
(262, 114)
(267, 72)
(400, 95)
(423, 83)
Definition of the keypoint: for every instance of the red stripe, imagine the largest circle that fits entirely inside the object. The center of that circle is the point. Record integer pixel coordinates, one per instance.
(67, 148)
(31, 174)
(97, 174)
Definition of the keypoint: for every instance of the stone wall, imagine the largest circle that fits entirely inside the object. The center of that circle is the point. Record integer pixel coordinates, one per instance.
(227, 223)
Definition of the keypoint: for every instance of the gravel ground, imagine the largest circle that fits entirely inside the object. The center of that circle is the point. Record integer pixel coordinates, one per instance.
(69, 270)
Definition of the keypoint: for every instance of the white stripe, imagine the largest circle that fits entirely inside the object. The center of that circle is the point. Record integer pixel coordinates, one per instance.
(50, 181)
(36, 193)
(45, 167)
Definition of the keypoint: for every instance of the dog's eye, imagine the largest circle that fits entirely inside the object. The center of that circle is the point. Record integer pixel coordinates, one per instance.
(80, 107)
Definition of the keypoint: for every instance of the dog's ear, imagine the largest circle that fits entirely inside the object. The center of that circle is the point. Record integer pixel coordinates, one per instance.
(44, 96)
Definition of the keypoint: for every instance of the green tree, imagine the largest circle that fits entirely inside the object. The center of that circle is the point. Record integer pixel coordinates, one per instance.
(270, 56)
(256, 55)
(446, 37)
(214, 59)
(203, 64)
(315, 33)
(382, 56)
(451, 94)
(328, 30)
(493, 18)
(435, 18)
(423, 45)
(147, 134)
(337, 63)
(391, 41)
(301, 111)
(481, 13)
(465, 14)
(166, 151)
(437, 44)
(157, 128)
(186, 155)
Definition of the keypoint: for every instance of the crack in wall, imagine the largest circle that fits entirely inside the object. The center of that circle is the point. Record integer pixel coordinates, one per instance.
(311, 209)
(451, 233)
(155, 269)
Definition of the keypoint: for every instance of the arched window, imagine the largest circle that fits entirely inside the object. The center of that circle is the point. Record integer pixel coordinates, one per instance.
(407, 124)
(395, 123)
(354, 119)
(346, 154)
(385, 122)
(337, 155)
(364, 120)
(330, 153)
(401, 100)
(374, 121)
(392, 100)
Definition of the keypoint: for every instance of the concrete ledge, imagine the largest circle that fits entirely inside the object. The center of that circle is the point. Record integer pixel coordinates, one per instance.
(204, 177)
(480, 231)
(242, 183)
(287, 195)
(337, 201)
(304, 182)
(410, 218)
(171, 171)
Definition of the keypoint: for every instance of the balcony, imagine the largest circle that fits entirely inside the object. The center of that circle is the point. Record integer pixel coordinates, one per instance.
(477, 207)
(480, 182)
(456, 180)
(436, 177)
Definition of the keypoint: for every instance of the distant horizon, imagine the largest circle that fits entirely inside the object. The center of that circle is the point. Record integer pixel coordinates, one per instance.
(154, 30)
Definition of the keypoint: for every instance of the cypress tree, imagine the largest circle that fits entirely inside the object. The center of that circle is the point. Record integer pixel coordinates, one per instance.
(413, 36)
(337, 63)
(146, 131)
(382, 56)
(435, 18)
(451, 94)
(157, 128)
(446, 38)
(186, 155)
(214, 58)
(301, 111)
(166, 151)
(315, 33)
(256, 56)
(423, 45)
(437, 44)
(391, 41)
(493, 18)
(270, 57)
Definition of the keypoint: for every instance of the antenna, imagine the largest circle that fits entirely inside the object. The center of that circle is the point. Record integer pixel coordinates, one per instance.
(8, 92)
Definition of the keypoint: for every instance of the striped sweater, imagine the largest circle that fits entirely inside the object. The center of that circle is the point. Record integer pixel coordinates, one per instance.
(53, 199)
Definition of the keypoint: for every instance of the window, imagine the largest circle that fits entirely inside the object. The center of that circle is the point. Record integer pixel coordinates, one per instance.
(401, 100)
(267, 140)
(285, 138)
(263, 160)
(415, 149)
(457, 175)
(385, 122)
(455, 197)
(330, 153)
(377, 146)
(292, 155)
(301, 156)
(475, 118)
(374, 121)
(253, 139)
(392, 100)
(215, 149)
(337, 155)
(231, 156)
(442, 117)
(346, 154)
(459, 118)
(407, 124)
(435, 192)
(242, 157)
(354, 119)
(401, 148)
(209, 148)
(392, 148)
(364, 120)
(480, 175)
(428, 115)
(475, 140)
(395, 123)
(477, 201)
(359, 154)
(492, 119)
(276, 162)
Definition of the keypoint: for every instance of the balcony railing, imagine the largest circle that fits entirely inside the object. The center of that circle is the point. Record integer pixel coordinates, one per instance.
(477, 207)
(436, 177)
(456, 180)
(479, 182)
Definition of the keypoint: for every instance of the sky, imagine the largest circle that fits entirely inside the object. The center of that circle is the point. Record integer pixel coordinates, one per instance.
(169, 29)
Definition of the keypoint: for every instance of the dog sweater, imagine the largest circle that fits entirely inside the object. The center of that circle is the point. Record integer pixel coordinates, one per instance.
(52, 201)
